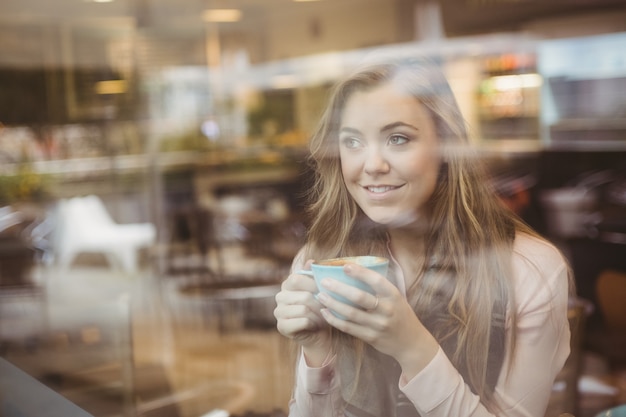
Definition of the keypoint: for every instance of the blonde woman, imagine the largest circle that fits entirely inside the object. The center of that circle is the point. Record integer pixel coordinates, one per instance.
(472, 318)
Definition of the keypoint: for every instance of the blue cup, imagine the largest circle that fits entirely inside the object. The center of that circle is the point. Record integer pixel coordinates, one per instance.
(333, 268)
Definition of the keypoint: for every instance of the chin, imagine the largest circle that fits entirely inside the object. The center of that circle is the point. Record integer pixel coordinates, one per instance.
(395, 221)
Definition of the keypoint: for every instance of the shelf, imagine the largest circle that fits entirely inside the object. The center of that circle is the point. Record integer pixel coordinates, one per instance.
(235, 160)
(587, 145)
(589, 124)
(509, 146)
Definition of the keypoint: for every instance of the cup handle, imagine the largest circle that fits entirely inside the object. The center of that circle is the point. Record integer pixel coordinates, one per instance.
(309, 273)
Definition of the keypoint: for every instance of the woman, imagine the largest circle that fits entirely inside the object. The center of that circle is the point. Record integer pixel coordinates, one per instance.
(472, 318)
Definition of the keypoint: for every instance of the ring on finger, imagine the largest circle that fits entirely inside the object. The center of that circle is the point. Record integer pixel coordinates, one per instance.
(375, 304)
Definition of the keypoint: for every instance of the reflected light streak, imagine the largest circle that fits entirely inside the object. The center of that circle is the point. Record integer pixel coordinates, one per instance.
(515, 82)
(221, 15)
(284, 81)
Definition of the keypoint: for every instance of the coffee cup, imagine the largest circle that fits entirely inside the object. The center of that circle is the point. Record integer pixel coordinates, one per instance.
(333, 268)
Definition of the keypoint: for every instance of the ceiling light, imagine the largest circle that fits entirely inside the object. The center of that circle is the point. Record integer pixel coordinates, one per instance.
(221, 15)
(111, 87)
(515, 82)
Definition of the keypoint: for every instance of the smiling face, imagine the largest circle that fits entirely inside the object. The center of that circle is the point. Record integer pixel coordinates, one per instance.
(389, 154)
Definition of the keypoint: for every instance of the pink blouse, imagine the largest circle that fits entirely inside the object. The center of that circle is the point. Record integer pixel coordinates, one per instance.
(524, 386)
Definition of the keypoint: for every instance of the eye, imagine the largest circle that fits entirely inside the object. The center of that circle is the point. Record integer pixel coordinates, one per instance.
(397, 139)
(351, 142)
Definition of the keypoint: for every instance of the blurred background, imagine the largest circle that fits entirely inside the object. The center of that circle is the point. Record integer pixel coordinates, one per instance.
(152, 163)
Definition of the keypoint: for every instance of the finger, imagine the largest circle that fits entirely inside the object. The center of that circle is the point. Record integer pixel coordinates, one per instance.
(298, 298)
(361, 298)
(362, 332)
(294, 297)
(358, 330)
(346, 312)
(379, 283)
(296, 312)
(295, 321)
(293, 327)
(299, 282)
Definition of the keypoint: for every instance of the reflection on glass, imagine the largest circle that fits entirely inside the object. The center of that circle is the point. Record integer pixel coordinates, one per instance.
(190, 124)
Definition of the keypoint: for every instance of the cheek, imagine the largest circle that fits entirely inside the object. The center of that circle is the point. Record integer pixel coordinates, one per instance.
(425, 171)
(349, 166)
(430, 177)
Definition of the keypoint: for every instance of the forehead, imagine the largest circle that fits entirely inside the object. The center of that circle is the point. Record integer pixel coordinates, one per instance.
(387, 102)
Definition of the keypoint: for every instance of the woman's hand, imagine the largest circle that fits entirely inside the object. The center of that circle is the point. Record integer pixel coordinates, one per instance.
(299, 318)
(385, 320)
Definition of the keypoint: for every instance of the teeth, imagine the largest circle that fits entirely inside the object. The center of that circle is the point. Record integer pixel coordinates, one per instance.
(379, 189)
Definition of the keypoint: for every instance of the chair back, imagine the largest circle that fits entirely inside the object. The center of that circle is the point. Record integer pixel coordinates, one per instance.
(611, 294)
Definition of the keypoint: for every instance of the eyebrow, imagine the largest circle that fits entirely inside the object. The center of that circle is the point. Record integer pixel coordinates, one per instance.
(398, 124)
(389, 126)
(349, 130)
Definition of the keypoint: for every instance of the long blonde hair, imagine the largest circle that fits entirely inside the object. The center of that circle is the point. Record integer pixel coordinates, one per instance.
(462, 293)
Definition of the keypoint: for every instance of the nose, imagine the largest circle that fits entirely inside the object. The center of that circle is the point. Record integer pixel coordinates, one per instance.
(375, 162)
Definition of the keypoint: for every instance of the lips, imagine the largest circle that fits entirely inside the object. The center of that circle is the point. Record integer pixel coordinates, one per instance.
(380, 189)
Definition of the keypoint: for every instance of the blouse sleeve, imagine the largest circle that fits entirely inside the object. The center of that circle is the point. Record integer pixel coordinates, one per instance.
(317, 391)
(542, 346)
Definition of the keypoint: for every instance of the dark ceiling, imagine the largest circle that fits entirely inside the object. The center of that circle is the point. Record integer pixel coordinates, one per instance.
(464, 17)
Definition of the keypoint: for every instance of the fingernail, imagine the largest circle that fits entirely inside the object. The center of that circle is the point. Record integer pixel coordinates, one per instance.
(327, 283)
(347, 269)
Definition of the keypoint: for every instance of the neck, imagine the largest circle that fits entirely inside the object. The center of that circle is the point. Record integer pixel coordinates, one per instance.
(407, 245)
(409, 236)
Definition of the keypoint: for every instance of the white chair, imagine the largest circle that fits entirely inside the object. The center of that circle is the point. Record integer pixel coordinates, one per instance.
(83, 225)
(9, 218)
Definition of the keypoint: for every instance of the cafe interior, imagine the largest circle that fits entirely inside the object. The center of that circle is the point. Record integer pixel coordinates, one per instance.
(153, 167)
